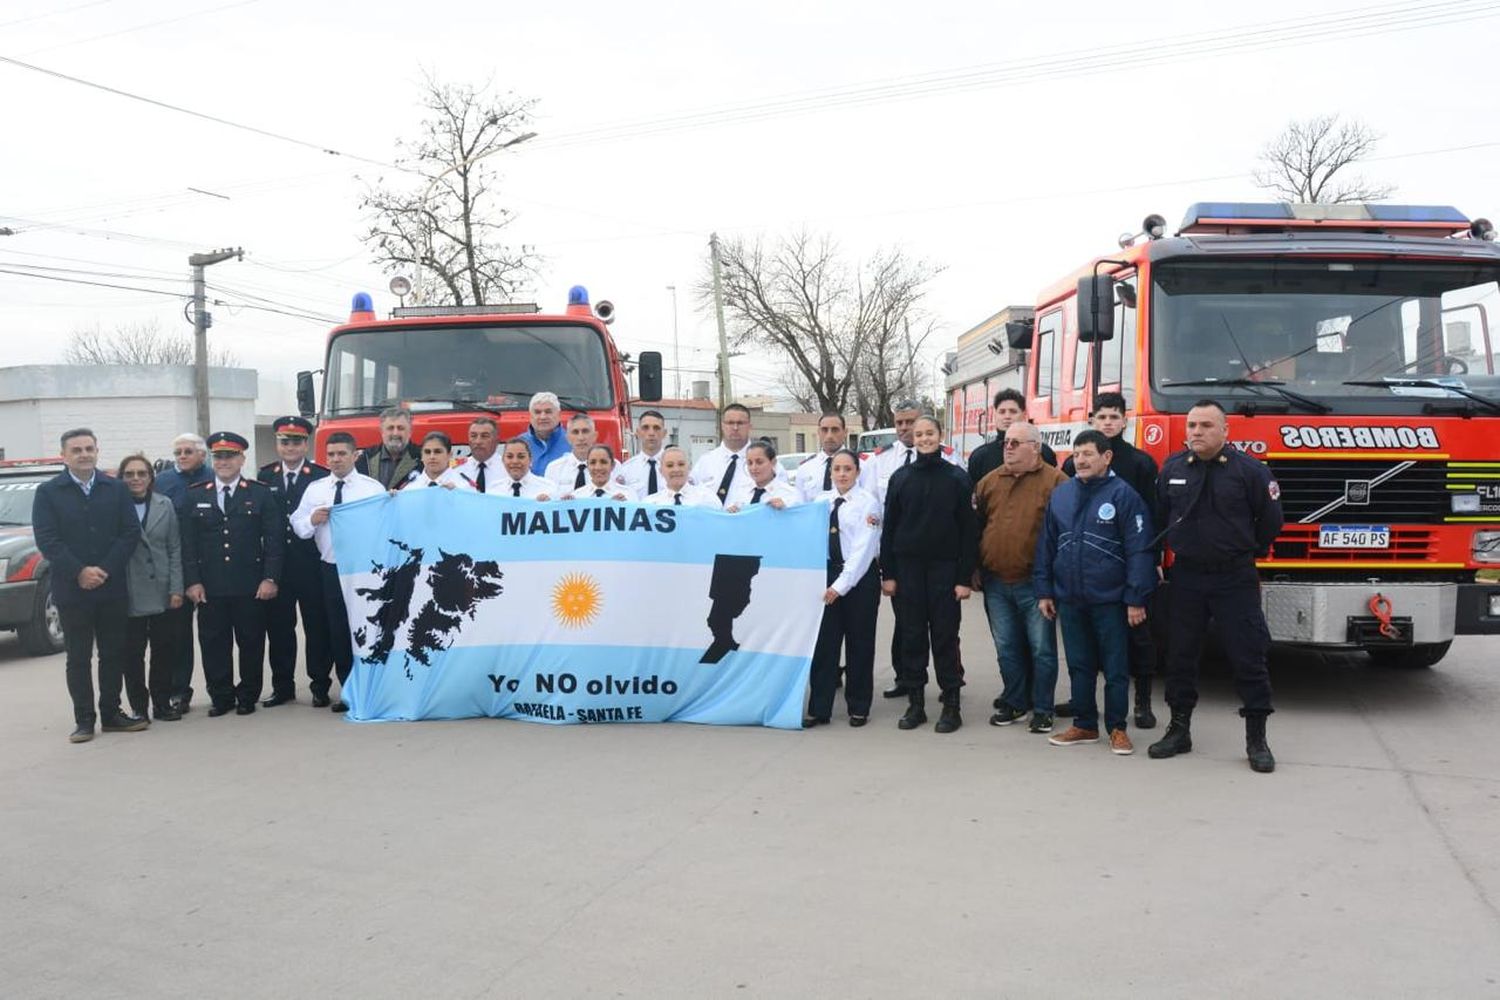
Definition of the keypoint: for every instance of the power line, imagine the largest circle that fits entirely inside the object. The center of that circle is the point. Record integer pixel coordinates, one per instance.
(256, 130)
(1351, 23)
(96, 284)
(140, 27)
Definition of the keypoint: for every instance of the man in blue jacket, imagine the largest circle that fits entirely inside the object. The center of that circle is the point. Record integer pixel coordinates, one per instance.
(1094, 569)
(86, 526)
(545, 435)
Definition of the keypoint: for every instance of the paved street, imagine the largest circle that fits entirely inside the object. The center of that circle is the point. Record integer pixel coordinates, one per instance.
(290, 854)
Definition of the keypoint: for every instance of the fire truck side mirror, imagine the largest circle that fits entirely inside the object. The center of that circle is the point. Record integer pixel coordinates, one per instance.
(307, 403)
(1018, 333)
(649, 375)
(1096, 308)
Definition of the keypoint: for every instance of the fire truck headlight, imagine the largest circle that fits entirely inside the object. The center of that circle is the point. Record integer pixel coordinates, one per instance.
(1465, 503)
(1487, 546)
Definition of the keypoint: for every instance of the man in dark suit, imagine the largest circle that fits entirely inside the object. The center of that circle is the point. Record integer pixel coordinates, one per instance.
(233, 543)
(301, 578)
(86, 526)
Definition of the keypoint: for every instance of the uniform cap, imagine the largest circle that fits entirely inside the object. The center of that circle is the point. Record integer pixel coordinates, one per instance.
(293, 427)
(227, 441)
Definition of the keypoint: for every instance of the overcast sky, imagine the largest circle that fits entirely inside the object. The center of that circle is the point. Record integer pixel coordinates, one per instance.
(1009, 170)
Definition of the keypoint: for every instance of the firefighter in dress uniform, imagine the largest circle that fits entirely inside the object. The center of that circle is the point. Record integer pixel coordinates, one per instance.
(233, 541)
(301, 584)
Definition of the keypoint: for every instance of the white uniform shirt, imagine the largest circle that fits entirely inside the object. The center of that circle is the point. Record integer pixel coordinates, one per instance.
(875, 474)
(494, 471)
(708, 471)
(610, 491)
(859, 540)
(636, 473)
(744, 489)
(533, 487)
(692, 496)
(319, 493)
(419, 476)
(564, 471)
(809, 476)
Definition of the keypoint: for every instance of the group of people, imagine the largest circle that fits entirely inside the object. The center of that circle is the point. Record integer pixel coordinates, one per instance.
(137, 555)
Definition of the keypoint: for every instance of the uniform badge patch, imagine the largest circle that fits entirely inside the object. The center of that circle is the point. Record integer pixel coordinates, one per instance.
(1106, 512)
(1274, 489)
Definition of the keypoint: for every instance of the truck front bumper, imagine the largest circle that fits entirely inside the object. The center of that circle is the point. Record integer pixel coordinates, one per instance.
(1339, 614)
(17, 603)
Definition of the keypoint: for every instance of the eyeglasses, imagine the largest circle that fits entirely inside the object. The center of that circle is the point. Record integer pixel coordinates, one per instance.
(1016, 442)
(185, 451)
(135, 474)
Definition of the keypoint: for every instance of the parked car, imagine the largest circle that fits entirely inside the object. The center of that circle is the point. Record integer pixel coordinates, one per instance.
(790, 462)
(870, 441)
(25, 596)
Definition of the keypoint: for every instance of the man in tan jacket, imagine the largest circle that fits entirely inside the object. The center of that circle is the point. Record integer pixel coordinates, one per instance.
(1011, 503)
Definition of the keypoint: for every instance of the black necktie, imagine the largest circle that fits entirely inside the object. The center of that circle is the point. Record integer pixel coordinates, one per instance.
(479, 482)
(651, 477)
(598, 491)
(908, 457)
(338, 492)
(431, 483)
(760, 491)
(515, 489)
(828, 473)
(225, 506)
(677, 499)
(579, 481)
(835, 553)
(723, 490)
(291, 480)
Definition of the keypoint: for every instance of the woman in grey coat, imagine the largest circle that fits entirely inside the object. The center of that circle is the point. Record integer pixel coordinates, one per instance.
(153, 582)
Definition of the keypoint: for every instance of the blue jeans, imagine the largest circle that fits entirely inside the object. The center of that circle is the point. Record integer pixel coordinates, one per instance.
(1025, 644)
(1096, 637)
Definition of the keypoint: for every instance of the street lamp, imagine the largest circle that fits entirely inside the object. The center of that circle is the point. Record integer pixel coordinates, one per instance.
(418, 283)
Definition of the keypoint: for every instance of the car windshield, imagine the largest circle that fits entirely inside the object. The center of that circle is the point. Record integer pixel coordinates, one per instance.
(1314, 326)
(497, 366)
(15, 500)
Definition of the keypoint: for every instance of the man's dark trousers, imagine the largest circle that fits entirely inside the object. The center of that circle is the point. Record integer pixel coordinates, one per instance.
(223, 624)
(928, 617)
(301, 588)
(340, 645)
(1231, 597)
(84, 627)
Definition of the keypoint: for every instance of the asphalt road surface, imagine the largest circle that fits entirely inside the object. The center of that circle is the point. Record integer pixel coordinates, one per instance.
(292, 854)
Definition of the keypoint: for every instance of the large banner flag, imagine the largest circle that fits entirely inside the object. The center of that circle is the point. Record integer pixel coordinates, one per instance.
(463, 604)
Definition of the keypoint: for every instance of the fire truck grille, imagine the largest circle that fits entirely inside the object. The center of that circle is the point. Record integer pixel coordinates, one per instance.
(1378, 492)
(1300, 541)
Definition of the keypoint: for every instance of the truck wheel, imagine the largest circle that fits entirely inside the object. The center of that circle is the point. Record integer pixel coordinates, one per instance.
(43, 636)
(1416, 658)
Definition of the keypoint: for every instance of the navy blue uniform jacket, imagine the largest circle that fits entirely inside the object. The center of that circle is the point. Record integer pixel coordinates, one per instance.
(231, 553)
(74, 531)
(1224, 511)
(1095, 546)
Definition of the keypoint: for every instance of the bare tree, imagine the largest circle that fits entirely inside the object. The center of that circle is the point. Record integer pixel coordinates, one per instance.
(1308, 162)
(445, 227)
(144, 343)
(842, 329)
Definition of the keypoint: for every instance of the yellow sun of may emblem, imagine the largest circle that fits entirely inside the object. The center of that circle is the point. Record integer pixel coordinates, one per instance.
(575, 600)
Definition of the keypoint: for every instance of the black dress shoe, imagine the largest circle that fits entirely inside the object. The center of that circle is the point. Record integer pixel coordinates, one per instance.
(277, 699)
(338, 706)
(82, 734)
(125, 724)
(858, 720)
(248, 708)
(808, 722)
(894, 691)
(166, 713)
(321, 701)
(214, 711)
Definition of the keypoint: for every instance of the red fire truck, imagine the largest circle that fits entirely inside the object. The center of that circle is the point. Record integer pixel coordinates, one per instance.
(1353, 349)
(449, 364)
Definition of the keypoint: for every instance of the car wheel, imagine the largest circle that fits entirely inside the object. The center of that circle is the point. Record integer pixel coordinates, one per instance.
(43, 636)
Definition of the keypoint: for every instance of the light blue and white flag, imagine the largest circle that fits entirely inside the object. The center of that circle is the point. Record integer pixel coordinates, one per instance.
(463, 604)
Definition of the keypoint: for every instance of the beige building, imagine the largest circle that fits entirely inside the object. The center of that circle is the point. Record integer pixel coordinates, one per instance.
(983, 364)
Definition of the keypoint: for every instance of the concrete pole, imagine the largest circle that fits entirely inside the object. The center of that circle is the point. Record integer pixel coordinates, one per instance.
(201, 322)
(726, 391)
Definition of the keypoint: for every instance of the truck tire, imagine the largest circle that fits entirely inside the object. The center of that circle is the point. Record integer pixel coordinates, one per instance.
(43, 636)
(1417, 657)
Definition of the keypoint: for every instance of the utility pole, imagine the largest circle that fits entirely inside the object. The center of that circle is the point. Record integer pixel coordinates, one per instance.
(201, 322)
(726, 392)
(676, 349)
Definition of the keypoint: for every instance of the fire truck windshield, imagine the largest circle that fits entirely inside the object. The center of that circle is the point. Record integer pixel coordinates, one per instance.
(1316, 325)
(494, 366)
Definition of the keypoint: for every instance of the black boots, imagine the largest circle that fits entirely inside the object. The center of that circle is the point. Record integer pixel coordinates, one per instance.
(1261, 760)
(916, 711)
(1144, 717)
(1178, 737)
(949, 720)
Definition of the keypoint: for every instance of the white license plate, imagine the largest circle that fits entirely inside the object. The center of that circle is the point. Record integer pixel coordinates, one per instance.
(1354, 536)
